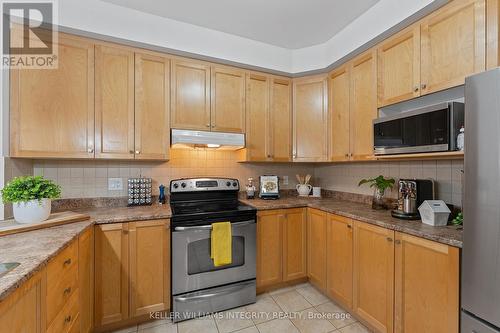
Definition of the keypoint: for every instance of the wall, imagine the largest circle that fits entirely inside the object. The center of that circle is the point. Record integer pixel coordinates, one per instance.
(89, 178)
(13, 168)
(99, 17)
(345, 177)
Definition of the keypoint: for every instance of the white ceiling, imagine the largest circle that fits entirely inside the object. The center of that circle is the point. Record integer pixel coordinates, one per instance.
(291, 24)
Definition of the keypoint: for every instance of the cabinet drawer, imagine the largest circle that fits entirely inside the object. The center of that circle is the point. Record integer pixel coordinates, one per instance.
(62, 280)
(67, 318)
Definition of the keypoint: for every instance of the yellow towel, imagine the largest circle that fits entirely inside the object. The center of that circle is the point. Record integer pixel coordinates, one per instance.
(220, 243)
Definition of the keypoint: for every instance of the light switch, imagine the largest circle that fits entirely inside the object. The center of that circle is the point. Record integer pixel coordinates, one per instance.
(285, 180)
(115, 184)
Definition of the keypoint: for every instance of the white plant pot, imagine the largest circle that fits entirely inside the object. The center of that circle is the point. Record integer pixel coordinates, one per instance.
(33, 211)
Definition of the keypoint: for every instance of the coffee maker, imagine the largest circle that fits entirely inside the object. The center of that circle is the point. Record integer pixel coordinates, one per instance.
(411, 194)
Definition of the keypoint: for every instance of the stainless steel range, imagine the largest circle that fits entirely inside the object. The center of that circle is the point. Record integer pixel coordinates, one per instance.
(199, 287)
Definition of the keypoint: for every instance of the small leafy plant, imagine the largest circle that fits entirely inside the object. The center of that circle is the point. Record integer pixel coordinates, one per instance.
(26, 188)
(458, 220)
(379, 182)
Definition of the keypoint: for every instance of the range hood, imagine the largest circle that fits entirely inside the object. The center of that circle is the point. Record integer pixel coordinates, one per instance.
(205, 139)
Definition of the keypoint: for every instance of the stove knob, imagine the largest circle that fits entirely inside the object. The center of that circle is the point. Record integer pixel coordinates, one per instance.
(228, 184)
(183, 185)
(176, 185)
(235, 184)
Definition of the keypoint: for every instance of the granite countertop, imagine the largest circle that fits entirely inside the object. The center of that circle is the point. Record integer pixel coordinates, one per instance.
(449, 235)
(33, 249)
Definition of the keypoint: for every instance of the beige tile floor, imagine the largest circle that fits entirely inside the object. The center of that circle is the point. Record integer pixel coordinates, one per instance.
(308, 311)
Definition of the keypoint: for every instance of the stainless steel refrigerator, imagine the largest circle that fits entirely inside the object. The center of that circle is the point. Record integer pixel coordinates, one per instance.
(481, 247)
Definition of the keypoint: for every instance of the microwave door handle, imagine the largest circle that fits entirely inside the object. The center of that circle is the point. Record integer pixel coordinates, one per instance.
(209, 227)
(220, 293)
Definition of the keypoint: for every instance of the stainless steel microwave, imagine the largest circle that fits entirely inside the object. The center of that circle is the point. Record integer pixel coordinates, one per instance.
(429, 129)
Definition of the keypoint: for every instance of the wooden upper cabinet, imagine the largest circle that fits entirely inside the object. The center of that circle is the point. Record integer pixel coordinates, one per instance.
(257, 114)
(339, 259)
(373, 290)
(316, 247)
(339, 114)
(52, 111)
(426, 286)
(363, 105)
(149, 266)
(114, 102)
(111, 273)
(269, 247)
(310, 111)
(190, 93)
(280, 122)
(398, 71)
(453, 44)
(294, 244)
(228, 100)
(152, 107)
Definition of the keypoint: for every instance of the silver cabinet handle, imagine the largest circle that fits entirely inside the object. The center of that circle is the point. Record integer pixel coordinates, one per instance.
(209, 227)
(424, 86)
(221, 293)
(90, 150)
(415, 89)
(137, 152)
(208, 125)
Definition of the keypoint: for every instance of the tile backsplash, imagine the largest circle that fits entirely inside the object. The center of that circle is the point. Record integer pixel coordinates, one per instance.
(90, 178)
(447, 175)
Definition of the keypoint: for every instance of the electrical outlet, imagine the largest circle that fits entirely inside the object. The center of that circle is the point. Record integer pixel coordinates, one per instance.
(285, 180)
(115, 184)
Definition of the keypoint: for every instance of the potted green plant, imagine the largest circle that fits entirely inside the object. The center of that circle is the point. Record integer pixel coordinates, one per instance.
(30, 197)
(380, 185)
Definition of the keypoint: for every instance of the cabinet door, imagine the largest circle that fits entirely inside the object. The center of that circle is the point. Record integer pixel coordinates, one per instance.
(453, 44)
(316, 247)
(281, 120)
(374, 275)
(427, 285)
(52, 111)
(257, 114)
(398, 71)
(339, 259)
(152, 107)
(339, 115)
(363, 105)
(228, 100)
(114, 103)
(269, 247)
(294, 244)
(190, 95)
(111, 273)
(310, 97)
(86, 279)
(22, 311)
(149, 266)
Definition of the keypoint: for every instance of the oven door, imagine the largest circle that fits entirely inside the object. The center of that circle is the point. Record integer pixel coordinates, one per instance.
(192, 267)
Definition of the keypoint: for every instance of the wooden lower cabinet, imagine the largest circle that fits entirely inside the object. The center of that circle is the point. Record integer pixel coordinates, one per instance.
(149, 267)
(426, 285)
(269, 248)
(86, 279)
(24, 310)
(373, 300)
(294, 244)
(281, 246)
(316, 247)
(339, 256)
(132, 270)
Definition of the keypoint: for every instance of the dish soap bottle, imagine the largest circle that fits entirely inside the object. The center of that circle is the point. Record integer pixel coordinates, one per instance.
(461, 139)
(161, 197)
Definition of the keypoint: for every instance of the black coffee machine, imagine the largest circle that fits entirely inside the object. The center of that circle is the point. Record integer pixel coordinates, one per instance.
(411, 194)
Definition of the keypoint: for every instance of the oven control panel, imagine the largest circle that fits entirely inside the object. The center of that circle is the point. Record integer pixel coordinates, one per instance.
(204, 184)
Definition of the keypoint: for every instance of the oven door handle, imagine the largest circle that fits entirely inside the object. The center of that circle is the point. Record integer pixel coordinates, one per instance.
(209, 227)
(220, 293)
